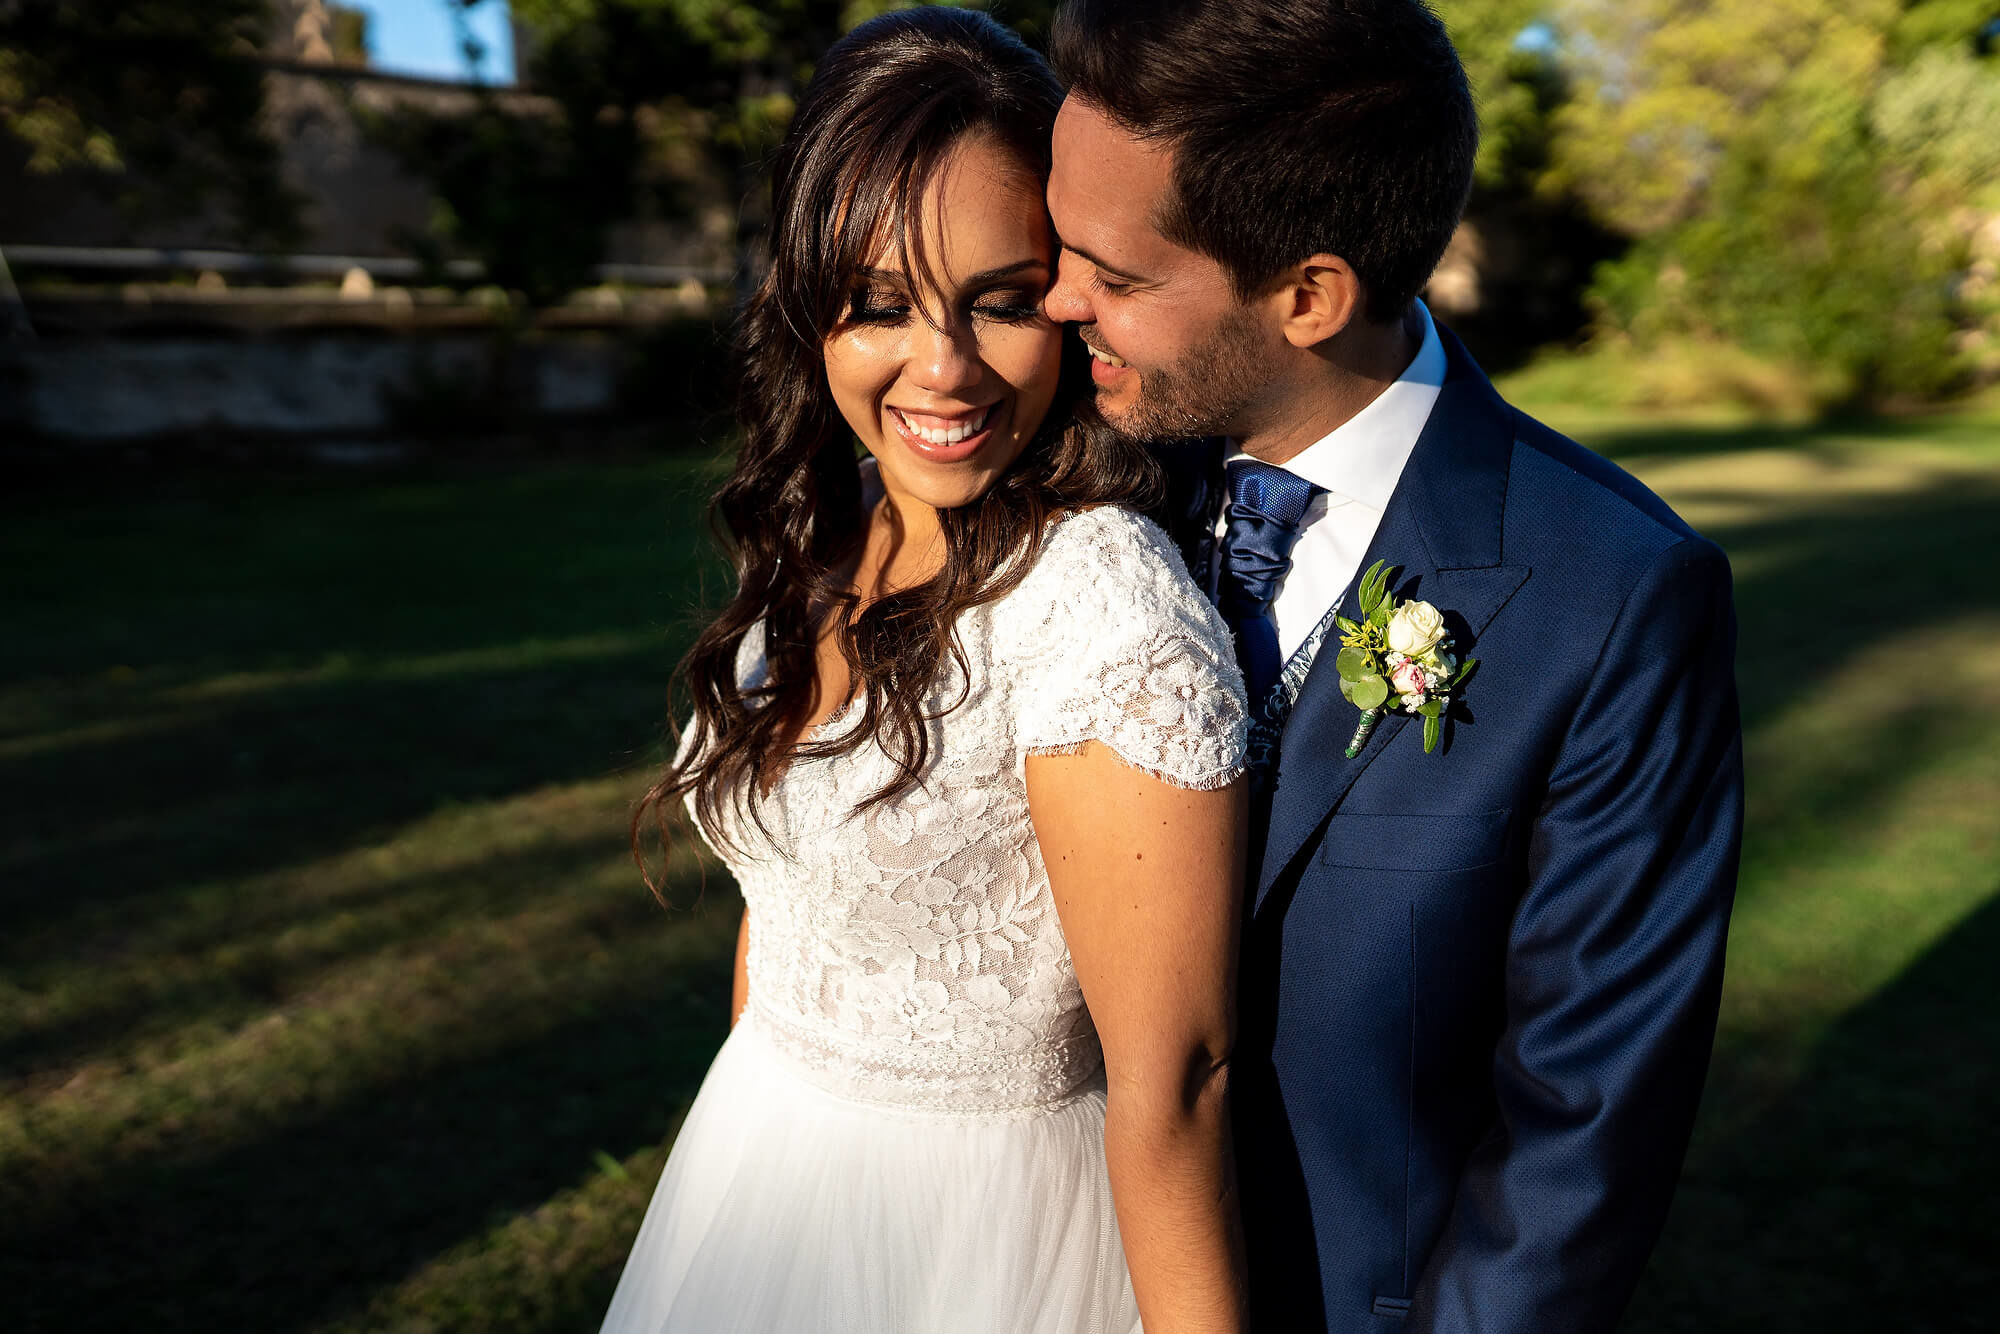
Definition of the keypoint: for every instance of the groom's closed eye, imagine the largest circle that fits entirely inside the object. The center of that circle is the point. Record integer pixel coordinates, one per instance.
(1106, 277)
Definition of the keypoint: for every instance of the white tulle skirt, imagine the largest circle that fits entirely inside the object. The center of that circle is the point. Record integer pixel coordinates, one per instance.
(785, 1209)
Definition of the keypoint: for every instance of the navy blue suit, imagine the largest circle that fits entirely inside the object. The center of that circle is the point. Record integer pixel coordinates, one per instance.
(1479, 986)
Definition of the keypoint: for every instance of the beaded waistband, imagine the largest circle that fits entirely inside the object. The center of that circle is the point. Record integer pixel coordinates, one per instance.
(933, 1079)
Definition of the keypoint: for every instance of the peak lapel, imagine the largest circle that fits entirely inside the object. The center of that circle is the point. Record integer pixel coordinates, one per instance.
(1442, 530)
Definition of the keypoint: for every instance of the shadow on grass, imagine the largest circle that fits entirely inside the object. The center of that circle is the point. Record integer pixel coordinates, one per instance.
(1818, 589)
(1624, 441)
(251, 957)
(288, 775)
(180, 860)
(231, 575)
(1860, 1198)
(111, 609)
(294, 1227)
(1863, 1199)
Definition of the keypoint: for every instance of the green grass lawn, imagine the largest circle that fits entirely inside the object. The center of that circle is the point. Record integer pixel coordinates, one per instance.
(329, 998)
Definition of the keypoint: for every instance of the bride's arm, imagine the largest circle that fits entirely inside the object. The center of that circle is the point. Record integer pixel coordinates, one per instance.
(1148, 883)
(739, 984)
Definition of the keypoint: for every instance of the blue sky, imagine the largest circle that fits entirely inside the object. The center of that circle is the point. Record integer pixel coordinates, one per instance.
(419, 37)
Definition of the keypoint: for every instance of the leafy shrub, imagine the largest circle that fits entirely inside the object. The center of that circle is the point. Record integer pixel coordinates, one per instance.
(1807, 254)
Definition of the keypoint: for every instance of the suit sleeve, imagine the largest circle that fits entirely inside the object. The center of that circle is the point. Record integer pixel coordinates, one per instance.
(1613, 977)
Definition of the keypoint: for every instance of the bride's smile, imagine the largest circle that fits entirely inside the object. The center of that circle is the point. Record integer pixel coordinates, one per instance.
(944, 437)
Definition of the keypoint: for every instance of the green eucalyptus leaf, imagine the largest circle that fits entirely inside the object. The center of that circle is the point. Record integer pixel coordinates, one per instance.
(1432, 707)
(1371, 692)
(1354, 664)
(1433, 729)
(1464, 673)
(1347, 689)
(1347, 627)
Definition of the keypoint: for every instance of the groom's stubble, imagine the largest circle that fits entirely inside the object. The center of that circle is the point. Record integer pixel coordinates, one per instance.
(1204, 393)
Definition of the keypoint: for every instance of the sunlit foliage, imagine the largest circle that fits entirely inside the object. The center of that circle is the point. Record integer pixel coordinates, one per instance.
(157, 100)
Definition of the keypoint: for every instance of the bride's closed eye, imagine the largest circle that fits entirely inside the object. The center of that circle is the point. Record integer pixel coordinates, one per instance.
(1011, 306)
(886, 306)
(877, 305)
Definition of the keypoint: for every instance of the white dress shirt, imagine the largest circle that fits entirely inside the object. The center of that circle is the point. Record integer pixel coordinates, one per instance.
(1358, 464)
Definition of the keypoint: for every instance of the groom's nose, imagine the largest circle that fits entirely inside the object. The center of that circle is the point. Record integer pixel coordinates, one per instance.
(1068, 302)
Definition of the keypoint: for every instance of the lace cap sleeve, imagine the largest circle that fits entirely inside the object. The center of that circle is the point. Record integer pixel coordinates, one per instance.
(1130, 655)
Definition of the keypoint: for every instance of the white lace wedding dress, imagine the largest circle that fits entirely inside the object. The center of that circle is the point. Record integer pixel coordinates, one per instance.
(904, 1132)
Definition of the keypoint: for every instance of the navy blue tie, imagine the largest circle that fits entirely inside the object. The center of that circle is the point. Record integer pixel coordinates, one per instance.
(1266, 505)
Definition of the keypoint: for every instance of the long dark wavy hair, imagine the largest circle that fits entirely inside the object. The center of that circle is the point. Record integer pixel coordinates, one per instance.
(882, 115)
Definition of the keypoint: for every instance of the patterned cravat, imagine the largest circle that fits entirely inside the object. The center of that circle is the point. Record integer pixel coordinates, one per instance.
(1266, 504)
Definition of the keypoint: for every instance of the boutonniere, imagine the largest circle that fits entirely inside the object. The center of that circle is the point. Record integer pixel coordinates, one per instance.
(1397, 651)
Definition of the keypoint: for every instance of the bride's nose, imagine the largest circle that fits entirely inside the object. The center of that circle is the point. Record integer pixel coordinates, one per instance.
(944, 359)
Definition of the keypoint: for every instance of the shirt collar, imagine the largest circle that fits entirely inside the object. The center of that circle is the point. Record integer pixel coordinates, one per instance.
(1363, 457)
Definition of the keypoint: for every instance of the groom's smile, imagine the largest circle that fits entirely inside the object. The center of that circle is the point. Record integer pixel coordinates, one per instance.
(1105, 365)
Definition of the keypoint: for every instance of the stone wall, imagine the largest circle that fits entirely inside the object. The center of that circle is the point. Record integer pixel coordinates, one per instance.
(175, 365)
(358, 199)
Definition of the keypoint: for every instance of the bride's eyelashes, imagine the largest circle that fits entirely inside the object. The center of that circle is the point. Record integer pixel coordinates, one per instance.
(877, 306)
(883, 306)
(1011, 307)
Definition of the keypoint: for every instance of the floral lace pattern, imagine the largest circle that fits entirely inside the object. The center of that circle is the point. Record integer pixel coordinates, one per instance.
(911, 954)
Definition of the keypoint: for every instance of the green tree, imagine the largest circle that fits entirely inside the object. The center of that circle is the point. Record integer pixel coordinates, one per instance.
(531, 187)
(1795, 172)
(160, 101)
(1927, 24)
(627, 85)
(1508, 50)
(349, 35)
(1665, 88)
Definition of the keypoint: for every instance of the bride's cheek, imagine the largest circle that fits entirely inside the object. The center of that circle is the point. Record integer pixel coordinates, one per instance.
(1034, 366)
(861, 364)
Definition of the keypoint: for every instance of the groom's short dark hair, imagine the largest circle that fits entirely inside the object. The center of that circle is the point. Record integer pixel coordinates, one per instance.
(1298, 127)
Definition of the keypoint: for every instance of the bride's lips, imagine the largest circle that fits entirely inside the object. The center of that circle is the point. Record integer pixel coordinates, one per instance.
(988, 418)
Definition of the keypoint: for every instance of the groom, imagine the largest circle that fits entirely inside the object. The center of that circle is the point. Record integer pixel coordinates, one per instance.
(1479, 984)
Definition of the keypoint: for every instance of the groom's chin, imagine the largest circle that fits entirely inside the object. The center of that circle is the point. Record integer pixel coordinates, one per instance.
(1091, 416)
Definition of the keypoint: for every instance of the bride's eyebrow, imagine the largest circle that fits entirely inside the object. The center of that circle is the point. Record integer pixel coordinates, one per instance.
(894, 278)
(1006, 271)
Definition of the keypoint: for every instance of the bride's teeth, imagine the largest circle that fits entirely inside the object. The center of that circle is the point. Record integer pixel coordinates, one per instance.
(950, 435)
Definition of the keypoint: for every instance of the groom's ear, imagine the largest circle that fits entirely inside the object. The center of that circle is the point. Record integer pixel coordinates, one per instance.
(1319, 298)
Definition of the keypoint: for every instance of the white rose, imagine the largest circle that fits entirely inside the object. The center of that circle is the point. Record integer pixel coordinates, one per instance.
(1415, 629)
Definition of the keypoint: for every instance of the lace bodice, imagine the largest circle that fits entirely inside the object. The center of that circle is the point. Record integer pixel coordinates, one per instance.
(911, 954)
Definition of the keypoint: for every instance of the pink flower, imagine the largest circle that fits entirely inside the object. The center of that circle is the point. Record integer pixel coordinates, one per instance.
(1409, 679)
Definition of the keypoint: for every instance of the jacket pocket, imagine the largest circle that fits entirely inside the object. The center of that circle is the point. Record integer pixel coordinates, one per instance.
(1432, 843)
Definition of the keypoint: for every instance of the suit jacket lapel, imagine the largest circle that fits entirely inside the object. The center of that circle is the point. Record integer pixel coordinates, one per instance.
(1442, 530)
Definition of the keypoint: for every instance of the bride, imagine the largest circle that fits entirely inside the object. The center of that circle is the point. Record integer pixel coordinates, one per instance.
(971, 742)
